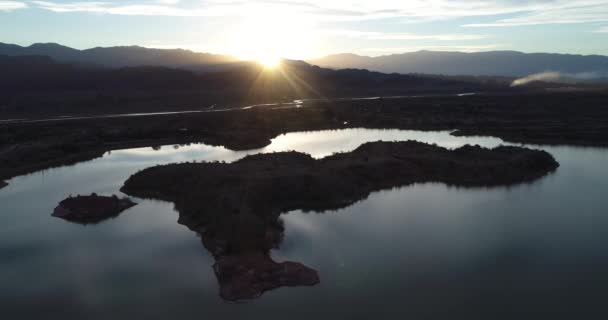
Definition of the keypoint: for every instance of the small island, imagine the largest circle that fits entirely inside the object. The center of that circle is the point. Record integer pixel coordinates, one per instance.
(268, 184)
(236, 207)
(91, 209)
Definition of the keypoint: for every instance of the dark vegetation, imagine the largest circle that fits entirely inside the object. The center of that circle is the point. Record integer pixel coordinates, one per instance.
(91, 209)
(269, 184)
(236, 207)
(36, 86)
(567, 118)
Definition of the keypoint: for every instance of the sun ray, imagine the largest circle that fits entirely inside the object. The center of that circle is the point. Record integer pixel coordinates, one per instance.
(270, 62)
(269, 37)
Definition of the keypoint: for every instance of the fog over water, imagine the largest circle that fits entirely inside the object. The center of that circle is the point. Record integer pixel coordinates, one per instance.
(424, 251)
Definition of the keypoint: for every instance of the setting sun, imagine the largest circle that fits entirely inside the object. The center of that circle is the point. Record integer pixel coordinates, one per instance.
(267, 38)
(270, 62)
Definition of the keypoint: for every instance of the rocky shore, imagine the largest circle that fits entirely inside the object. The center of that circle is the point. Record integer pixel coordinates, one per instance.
(91, 209)
(240, 245)
(247, 276)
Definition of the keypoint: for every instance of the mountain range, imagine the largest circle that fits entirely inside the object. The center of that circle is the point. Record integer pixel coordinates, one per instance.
(117, 57)
(297, 79)
(491, 63)
(40, 85)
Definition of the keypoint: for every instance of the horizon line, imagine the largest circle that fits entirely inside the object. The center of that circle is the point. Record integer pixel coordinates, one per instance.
(186, 48)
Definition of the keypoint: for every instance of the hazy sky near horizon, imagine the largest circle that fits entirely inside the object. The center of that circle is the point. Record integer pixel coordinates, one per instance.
(312, 28)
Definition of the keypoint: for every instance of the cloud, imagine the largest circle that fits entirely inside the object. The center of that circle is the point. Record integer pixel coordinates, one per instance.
(556, 13)
(172, 8)
(11, 5)
(512, 12)
(159, 9)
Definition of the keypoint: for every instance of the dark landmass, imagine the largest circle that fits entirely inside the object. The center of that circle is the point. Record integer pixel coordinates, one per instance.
(91, 209)
(37, 87)
(247, 276)
(492, 63)
(557, 119)
(3, 184)
(269, 184)
(118, 57)
(235, 208)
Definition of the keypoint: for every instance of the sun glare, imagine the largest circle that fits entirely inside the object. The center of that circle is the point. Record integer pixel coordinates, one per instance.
(268, 38)
(270, 62)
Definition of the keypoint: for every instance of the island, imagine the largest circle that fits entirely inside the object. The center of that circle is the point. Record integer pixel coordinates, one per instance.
(236, 207)
(91, 209)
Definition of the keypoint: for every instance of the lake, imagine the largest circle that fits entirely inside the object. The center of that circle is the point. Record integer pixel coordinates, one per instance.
(426, 251)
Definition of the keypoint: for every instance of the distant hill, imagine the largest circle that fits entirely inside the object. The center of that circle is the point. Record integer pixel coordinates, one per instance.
(39, 85)
(493, 63)
(27, 74)
(118, 57)
(297, 79)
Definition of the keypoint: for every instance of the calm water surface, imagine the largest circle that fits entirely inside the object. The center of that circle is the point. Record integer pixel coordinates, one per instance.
(424, 251)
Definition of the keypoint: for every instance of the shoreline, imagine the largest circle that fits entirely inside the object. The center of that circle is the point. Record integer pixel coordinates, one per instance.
(540, 120)
(236, 207)
(258, 181)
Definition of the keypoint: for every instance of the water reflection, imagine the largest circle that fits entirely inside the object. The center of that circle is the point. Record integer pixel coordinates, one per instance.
(240, 245)
(426, 251)
(318, 144)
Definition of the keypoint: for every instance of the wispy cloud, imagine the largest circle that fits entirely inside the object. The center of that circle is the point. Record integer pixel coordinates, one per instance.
(519, 12)
(438, 37)
(11, 5)
(160, 8)
(168, 1)
(174, 8)
(556, 12)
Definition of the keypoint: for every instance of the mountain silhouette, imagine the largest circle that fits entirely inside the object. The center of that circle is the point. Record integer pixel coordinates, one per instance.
(40, 85)
(493, 63)
(117, 57)
(297, 79)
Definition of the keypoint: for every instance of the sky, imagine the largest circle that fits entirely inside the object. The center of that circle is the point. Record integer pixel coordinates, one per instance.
(304, 29)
